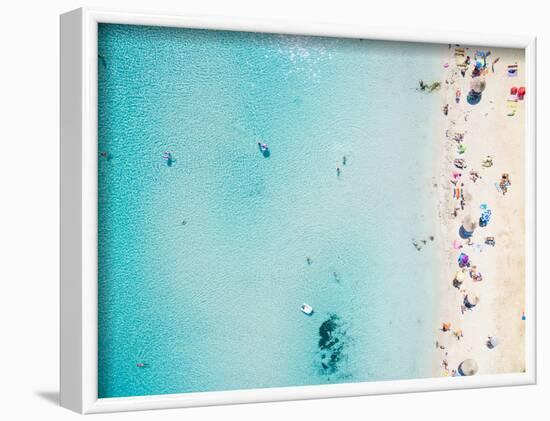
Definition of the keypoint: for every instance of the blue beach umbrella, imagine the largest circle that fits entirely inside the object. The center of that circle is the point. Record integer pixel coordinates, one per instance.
(473, 97)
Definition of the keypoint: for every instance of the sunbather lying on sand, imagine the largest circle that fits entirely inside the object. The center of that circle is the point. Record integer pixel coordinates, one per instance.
(460, 163)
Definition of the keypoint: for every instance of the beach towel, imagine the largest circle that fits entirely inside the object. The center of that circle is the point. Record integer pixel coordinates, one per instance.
(512, 106)
(460, 58)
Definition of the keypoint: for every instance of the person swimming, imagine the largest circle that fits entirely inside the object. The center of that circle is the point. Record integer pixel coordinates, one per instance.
(168, 158)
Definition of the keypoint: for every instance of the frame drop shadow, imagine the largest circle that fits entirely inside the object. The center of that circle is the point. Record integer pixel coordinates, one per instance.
(51, 396)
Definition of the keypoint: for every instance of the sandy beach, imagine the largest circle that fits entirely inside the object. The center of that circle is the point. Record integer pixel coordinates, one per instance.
(493, 273)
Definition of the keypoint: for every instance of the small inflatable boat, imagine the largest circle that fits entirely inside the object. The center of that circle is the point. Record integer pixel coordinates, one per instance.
(306, 309)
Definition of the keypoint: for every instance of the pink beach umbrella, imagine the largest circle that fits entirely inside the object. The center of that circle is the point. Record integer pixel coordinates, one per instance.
(457, 245)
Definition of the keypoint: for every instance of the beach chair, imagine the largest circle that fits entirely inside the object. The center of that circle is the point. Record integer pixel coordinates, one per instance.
(512, 70)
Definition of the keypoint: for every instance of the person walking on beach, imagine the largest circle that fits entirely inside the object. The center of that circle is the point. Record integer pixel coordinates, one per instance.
(504, 183)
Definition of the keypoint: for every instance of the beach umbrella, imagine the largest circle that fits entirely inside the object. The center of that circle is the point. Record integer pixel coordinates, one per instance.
(477, 85)
(471, 301)
(468, 367)
(457, 245)
(459, 275)
(521, 92)
(473, 97)
(469, 224)
(463, 260)
(492, 342)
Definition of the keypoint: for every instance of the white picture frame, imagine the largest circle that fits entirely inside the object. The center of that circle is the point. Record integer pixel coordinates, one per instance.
(78, 322)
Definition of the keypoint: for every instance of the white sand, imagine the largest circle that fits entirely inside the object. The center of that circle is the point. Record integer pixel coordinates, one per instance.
(488, 131)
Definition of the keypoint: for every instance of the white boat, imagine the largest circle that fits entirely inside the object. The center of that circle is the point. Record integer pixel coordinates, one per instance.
(306, 309)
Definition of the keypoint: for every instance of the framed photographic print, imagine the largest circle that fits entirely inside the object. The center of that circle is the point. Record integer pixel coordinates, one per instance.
(258, 211)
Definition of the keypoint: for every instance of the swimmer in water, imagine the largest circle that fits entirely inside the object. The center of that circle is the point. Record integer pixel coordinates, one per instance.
(338, 171)
(168, 158)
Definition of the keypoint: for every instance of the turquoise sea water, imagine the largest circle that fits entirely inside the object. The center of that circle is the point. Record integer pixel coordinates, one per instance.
(203, 264)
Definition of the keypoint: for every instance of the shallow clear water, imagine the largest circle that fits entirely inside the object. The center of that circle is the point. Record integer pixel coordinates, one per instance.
(203, 264)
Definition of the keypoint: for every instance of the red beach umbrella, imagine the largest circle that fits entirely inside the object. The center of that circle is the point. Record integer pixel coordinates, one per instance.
(521, 92)
(514, 91)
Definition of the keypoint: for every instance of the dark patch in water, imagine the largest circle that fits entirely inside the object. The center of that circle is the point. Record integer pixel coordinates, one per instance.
(333, 341)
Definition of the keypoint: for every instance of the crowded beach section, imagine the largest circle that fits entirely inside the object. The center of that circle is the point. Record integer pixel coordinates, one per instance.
(479, 187)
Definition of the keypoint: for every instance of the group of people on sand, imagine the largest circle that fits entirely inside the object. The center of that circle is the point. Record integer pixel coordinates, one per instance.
(458, 180)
